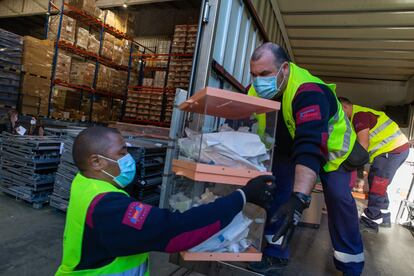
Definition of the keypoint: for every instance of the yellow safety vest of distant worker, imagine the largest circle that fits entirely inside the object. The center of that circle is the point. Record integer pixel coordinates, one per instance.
(385, 136)
(83, 191)
(341, 138)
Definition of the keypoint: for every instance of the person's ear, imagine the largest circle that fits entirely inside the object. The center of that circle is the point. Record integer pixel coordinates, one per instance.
(96, 163)
(285, 68)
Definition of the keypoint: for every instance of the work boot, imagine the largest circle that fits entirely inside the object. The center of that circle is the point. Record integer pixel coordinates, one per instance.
(268, 265)
(385, 224)
(363, 227)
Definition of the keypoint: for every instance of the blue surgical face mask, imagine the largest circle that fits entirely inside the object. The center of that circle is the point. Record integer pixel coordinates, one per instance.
(266, 87)
(127, 170)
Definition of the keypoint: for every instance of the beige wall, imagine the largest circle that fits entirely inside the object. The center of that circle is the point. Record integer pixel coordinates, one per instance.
(375, 94)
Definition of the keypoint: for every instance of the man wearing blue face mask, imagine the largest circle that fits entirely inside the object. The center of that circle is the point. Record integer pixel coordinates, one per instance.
(109, 233)
(314, 137)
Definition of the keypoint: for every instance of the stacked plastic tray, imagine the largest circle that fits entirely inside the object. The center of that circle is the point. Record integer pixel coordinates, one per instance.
(66, 171)
(11, 49)
(28, 166)
(150, 157)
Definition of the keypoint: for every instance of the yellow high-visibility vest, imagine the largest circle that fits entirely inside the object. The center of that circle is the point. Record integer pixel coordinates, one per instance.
(341, 136)
(82, 193)
(385, 136)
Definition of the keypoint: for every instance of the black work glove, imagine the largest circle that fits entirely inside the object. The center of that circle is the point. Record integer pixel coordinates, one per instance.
(290, 213)
(259, 190)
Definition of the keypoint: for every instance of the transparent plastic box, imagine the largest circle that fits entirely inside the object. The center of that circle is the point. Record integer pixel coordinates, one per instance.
(221, 149)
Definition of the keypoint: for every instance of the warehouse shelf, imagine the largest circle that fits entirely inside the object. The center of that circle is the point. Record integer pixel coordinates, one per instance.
(89, 55)
(73, 86)
(101, 26)
(92, 21)
(88, 89)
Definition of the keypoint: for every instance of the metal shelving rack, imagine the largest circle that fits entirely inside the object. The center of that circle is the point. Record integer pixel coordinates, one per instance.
(166, 90)
(93, 23)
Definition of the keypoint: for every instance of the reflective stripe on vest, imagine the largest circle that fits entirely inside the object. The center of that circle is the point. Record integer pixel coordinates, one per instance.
(83, 191)
(385, 136)
(347, 138)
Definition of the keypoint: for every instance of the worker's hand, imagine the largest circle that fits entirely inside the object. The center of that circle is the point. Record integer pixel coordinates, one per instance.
(290, 213)
(259, 190)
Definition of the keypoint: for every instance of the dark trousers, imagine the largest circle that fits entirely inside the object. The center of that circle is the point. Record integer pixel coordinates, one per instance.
(342, 217)
(380, 175)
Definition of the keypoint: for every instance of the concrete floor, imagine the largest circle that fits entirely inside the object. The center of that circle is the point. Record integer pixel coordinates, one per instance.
(30, 244)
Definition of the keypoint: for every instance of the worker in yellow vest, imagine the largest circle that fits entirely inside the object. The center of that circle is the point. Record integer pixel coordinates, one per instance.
(314, 137)
(109, 233)
(388, 148)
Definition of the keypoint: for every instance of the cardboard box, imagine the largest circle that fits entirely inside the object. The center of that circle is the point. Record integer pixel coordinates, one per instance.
(109, 18)
(67, 32)
(108, 46)
(121, 21)
(104, 78)
(86, 5)
(63, 66)
(118, 51)
(37, 87)
(118, 84)
(126, 52)
(37, 56)
(82, 37)
(93, 43)
(82, 72)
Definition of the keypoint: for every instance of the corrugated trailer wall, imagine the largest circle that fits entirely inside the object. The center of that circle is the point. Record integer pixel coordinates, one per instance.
(235, 36)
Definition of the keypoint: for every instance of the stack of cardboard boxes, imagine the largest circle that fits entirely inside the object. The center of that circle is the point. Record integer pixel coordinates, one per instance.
(82, 72)
(180, 68)
(88, 6)
(63, 64)
(67, 33)
(37, 63)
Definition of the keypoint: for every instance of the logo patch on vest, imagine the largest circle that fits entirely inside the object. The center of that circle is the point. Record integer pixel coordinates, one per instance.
(308, 114)
(136, 214)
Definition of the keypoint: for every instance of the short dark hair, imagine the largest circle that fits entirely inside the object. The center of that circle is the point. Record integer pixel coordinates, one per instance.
(344, 100)
(93, 140)
(279, 54)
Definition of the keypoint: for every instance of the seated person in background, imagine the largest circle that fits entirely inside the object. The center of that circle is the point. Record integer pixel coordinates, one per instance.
(109, 233)
(11, 122)
(36, 127)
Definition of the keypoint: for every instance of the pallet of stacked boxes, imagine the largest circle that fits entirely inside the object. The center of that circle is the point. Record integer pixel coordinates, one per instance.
(11, 46)
(82, 36)
(37, 65)
(100, 110)
(63, 66)
(65, 172)
(67, 32)
(93, 43)
(126, 48)
(118, 51)
(88, 6)
(104, 78)
(82, 72)
(191, 39)
(118, 84)
(179, 38)
(28, 167)
(108, 46)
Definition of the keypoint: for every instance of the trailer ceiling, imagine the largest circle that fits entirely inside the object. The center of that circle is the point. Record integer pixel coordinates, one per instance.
(370, 39)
